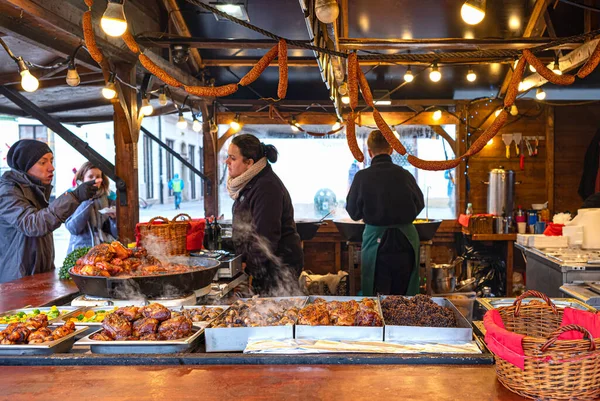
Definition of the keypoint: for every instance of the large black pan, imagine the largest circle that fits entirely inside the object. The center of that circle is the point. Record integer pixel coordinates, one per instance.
(158, 286)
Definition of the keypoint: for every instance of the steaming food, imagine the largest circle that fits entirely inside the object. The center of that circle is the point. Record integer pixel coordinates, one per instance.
(419, 310)
(200, 314)
(34, 331)
(337, 313)
(149, 323)
(110, 260)
(259, 312)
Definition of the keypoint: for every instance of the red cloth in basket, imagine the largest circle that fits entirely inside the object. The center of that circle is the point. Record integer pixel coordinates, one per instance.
(195, 235)
(554, 230)
(505, 344)
(587, 319)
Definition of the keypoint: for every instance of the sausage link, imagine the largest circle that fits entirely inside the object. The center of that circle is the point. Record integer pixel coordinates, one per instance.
(388, 133)
(488, 134)
(283, 69)
(545, 72)
(89, 3)
(351, 138)
(353, 79)
(591, 63)
(258, 69)
(364, 87)
(513, 86)
(433, 165)
(211, 91)
(158, 72)
(90, 38)
(130, 42)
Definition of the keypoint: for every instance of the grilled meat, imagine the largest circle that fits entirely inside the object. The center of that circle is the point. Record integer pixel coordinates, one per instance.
(116, 327)
(129, 313)
(145, 326)
(41, 335)
(120, 251)
(173, 329)
(37, 322)
(342, 313)
(156, 311)
(257, 312)
(419, 310)
(63, 330)
(99, 253)
(336, 313)
(314, 315)
(150, 337)
(101, 336)
(16, 333)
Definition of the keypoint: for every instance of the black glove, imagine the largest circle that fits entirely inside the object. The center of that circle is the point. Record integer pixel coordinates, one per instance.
(85, 191)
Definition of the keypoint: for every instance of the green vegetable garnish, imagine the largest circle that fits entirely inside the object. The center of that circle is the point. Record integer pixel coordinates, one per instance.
(70, 261)
(36, 311)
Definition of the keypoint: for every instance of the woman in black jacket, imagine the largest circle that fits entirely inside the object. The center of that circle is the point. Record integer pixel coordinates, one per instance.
(264, 231)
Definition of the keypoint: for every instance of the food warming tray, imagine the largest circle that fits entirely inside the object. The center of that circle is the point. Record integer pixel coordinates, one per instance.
(61, 345)
(226, 339)
(44, 310)
(207, 322)
(142, 347)
(340, 333)
(463, 331)
(493, 303)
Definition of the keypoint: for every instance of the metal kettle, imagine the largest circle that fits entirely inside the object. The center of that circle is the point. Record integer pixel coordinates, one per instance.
(501, 192)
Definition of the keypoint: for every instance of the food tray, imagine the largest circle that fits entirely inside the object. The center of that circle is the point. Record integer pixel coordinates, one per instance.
(53, 347)
(142, 347)
(43, 310)
(227, 339)
(464, 331)
(205, 323)
(493, 303)
(91, 326)
(340, 333)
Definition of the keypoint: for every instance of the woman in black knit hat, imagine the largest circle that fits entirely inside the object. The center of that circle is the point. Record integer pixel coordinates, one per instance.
(27, 219)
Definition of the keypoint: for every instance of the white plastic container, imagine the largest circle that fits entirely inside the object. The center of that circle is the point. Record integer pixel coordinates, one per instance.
(574, 235)
(589, 219)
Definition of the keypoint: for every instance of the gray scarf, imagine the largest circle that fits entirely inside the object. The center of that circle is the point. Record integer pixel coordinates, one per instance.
(235, 185)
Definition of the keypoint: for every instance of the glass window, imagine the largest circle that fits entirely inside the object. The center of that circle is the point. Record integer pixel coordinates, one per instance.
(148, 168)
(192, 161)
(39, 132)
(170, 163)
(318, 172)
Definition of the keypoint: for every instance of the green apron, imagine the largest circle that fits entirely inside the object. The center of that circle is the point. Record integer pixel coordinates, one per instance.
(370, 246)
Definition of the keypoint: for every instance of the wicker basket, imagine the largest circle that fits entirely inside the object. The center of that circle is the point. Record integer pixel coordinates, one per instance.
(554, 369)
(172, 235)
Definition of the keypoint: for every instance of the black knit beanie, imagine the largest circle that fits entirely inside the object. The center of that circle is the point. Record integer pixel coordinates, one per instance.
(23, 154)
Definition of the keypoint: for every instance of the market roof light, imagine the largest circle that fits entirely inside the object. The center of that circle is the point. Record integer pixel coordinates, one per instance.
(237, 10)
(346, 99)
(235, 123)
(408, 76)
(294, 125)
(540, 94)
(513, 110)
(110, 90)
(383, 102)
(435, 75)
(556, 67)
(490, 142)
(162, 97)
(196, 125)
(437, 115)
(327, 11)
(473, 11)
(73, 78)
(113, 20)
(29, 83)
(147, 108)
(497, 112)
(532, 68)
(471, 76)
(336, 126)
(181, 123)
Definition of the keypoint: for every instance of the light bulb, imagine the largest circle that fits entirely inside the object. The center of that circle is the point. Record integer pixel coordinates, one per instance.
(490, 142)
(532, 68)
(294, 127)
(327, 10)
(336, 126)
(147, 108)
(540, 94)
(556, 68)
(521, 86)
(497, 112)
(234, 124)
(196, 125)
(162, 99)
(435, 75)
(113, 20)
(471, 76)
(73, 78)
(109, 91)
(343, 89)
(513, 110)
(181, 123)
(473, 11)
(437, 115)
(408, 76)
(29, 83)
(346, 99)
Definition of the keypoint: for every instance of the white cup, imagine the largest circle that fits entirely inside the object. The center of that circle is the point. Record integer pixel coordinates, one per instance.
(522, 227)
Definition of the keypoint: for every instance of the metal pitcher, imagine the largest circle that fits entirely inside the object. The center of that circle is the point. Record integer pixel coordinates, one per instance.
(501, 192)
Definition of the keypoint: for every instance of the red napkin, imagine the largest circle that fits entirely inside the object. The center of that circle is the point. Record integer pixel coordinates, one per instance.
(195, 234)
(589, 320)
(553, 230)
(463, 220)
(503, 343)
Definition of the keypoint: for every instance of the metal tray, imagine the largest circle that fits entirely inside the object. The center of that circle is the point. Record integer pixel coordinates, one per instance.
(71, 310)
(493, 303)
(227, 339)
(53, 347)
(340, 333)
(142, 347)
(463, 331)
(206, 323)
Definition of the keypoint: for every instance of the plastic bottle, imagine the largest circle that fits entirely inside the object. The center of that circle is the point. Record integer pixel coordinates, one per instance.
(469, 209)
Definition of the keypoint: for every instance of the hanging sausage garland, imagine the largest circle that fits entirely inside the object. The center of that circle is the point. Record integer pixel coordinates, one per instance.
(356, 80)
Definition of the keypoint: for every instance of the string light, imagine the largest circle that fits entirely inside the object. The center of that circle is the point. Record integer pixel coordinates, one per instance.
(490, 142)
(162, 97)
(473, 11)
(181, 122)
(532, 68)
(73, 78)
(294, 125)
(437, 115)
(336, 126)
(196, 125)
(110, 91)
(435, 75)
(346, 99)
(513, 110)
(235, 123)
(113, 20)
(471, 76)
(327, 11)
(147, 108)
(497, 112)
(29, 83)
(556, 67)
(408, 76)
(540, 94)
(343, 89)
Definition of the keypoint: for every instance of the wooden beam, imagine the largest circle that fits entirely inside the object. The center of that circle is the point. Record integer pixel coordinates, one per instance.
(550, 158)
(230, 132)
(209, 148)
(183, 30)
(442, 132)
(344, 21)
(73, 106)
(535, 27)
(460, 148)
(251, 62)
(208, 43)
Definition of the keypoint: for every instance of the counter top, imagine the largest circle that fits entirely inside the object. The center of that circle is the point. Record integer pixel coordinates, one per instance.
(38, 290)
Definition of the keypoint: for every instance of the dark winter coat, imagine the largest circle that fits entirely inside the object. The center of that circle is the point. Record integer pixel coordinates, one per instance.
(27, 221)
(88, 227)
(384, 194)
(263, 224)
(587, 185)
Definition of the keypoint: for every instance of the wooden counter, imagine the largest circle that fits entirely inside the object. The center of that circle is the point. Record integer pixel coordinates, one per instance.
(38, 290)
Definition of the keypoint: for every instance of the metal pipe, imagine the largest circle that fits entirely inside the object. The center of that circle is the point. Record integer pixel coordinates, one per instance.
(161, 184)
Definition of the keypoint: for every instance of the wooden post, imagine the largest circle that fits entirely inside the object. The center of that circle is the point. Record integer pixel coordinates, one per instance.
(126, 128)
(550, 158)
(460, 148)
(209, 143)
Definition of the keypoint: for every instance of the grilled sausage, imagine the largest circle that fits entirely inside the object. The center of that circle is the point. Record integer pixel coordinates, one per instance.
(353, 79)
(351, 138)
(388, 133)
(283, 69)
(513, 86)
(545, 72)
(211, 91)
(258, 69)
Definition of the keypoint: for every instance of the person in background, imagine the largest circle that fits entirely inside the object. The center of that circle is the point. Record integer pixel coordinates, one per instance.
(176, 185)
(74, 182)
(387, 198)
(592, 201)
(88, 226)
(354, 168)
(264, 231)
(27, 219)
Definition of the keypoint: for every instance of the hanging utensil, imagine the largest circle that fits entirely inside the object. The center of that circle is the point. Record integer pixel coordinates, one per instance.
(507, 139)
(522, 158)
(517, 138)
(529, 148)
(535, 148)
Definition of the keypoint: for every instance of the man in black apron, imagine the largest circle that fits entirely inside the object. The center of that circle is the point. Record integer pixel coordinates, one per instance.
(387, 198)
